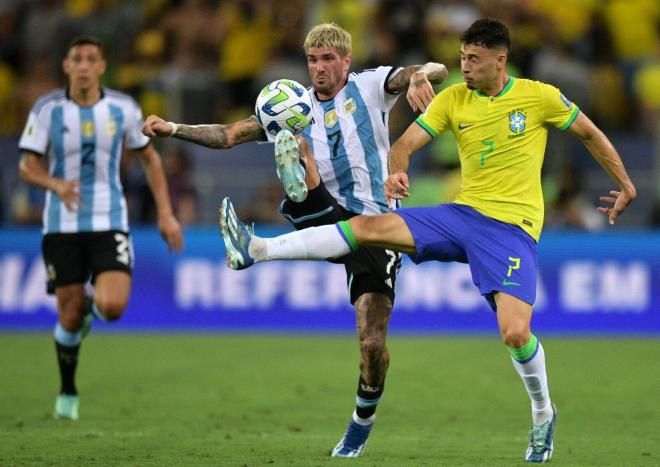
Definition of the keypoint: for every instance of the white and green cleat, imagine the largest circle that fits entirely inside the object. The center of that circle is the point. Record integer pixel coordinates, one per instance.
(66, 407)
(541, 440)
(290, 171)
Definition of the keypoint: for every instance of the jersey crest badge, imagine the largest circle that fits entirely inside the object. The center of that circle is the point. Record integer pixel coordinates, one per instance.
(349, 106)
(517, 121)
(111, 127)
(330, 118)
(88, 128)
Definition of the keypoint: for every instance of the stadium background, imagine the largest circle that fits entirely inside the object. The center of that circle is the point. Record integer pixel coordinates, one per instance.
(274, 381)
(205, 61)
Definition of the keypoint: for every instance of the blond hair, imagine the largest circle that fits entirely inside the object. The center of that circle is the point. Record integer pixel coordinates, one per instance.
(329, 35)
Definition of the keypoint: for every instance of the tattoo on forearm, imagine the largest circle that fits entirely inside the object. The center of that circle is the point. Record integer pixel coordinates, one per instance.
(435, 74)
(220, 136)
(401, 80)
(211, 136)
(248, 130)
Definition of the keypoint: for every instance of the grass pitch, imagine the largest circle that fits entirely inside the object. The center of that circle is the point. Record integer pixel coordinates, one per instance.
(285, 400)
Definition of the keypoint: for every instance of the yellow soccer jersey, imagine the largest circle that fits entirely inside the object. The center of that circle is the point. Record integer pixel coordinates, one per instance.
(501, 142)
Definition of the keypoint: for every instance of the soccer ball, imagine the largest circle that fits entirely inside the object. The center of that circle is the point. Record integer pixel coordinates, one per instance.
(284, 104)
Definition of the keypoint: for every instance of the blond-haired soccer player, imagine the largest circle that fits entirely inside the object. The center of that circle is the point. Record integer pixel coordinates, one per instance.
(343, 174)
(501, 126)
(81, 129)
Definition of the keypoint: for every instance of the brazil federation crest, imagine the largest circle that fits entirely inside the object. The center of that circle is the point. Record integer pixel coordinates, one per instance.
(517, 121)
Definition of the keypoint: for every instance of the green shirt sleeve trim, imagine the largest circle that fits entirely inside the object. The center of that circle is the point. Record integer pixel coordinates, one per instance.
(426, 127)
(571, 119)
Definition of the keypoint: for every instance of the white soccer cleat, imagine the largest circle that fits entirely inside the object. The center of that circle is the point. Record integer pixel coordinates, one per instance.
(66, 407)
(289, 169)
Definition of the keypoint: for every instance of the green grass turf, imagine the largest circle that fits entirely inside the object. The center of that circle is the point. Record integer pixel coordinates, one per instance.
(264, 400)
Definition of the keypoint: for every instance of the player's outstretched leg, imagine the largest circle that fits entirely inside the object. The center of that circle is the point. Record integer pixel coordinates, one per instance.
(236, 236)
(355, 439)
(289, 168)
(541, 440)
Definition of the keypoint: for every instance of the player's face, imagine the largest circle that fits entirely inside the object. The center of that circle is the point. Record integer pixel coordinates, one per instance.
(328, 70)
(481, 66)
(84, 65)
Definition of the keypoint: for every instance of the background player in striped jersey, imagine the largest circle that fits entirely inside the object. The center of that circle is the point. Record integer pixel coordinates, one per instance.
(85, 223)
(501, 126)
(346, 164)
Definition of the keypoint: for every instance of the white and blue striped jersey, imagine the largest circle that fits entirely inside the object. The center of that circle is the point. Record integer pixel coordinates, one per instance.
(85, 144)
(350, 140)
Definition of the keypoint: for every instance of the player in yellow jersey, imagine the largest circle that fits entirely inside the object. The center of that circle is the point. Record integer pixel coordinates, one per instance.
(501, 126)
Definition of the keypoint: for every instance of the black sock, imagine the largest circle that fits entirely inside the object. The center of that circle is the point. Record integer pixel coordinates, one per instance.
(67, 358)
(368, 397)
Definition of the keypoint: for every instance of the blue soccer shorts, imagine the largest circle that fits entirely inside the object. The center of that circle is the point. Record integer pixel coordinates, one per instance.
(502, 257)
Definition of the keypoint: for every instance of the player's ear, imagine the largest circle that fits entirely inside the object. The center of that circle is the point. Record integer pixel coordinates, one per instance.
(501, 60)
(347, 62)
(65, 66)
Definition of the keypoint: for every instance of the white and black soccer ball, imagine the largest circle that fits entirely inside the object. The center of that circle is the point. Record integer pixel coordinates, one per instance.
(284, 104)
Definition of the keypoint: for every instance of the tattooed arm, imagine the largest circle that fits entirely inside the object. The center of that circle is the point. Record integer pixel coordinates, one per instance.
(217, 136)
(417, 80)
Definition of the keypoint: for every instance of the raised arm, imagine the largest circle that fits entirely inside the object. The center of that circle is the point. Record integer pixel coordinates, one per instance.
(604, 152)
(216, 136)
(418, 80)
(397, 185)
(169, 227)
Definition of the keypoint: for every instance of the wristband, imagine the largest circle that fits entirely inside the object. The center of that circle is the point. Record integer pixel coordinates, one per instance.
(174, 127)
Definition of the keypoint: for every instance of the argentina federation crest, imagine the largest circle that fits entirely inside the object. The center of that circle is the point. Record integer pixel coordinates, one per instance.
(517, 121)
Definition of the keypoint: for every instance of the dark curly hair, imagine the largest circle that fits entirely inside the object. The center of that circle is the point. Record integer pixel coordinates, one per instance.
(85, 40)
(487, 32)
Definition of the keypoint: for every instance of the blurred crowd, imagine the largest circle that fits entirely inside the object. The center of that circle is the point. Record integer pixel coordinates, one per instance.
(201, 61)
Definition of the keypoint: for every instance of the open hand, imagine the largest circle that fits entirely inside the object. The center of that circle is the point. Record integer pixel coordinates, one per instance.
(420, 92)
(69, 192)
(396, 187)
(170, 230)
(619, 201)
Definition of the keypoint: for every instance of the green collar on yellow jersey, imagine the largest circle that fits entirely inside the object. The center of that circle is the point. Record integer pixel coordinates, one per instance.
(504, 90)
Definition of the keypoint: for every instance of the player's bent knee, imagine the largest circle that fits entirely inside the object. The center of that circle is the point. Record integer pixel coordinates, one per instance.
(515, 336)
(111, 309)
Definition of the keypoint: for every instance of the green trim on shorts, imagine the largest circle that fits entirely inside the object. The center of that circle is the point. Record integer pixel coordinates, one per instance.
(523, 353)
(346, 229)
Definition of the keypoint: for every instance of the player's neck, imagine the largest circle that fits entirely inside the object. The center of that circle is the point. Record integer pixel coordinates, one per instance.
(85, 97)
(496, 86)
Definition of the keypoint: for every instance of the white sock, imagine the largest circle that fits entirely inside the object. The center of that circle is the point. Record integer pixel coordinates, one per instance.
(314, 243)
(535, 379)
